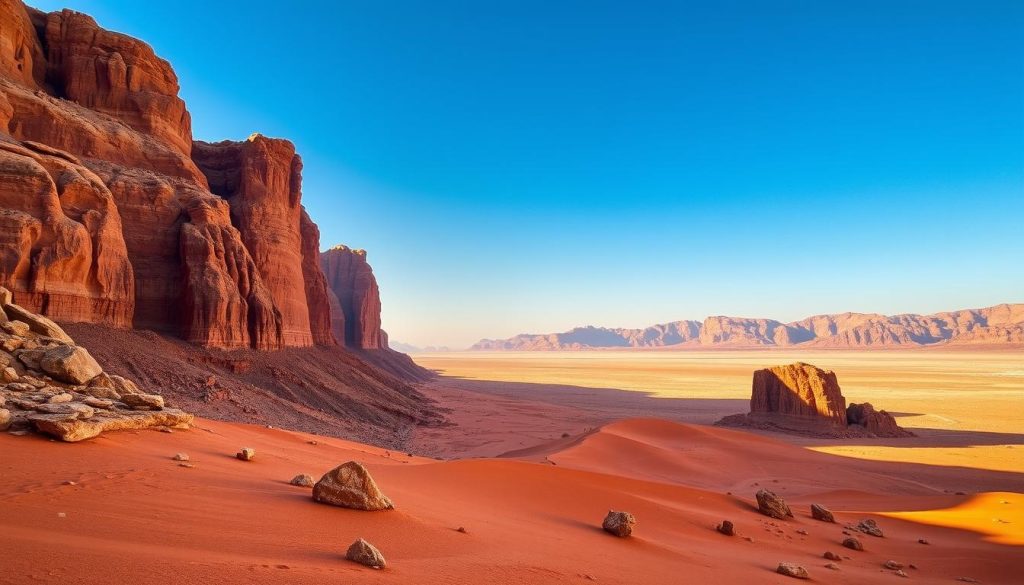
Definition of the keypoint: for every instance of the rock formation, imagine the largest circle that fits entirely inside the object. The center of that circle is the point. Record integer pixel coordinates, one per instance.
(801, 398)
(351, 280)
(1000, 324)
(349, 485)
(55, 386)
(112, 214)
(772, 505)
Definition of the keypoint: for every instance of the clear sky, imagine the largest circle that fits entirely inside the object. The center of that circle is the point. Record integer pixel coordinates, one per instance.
(532, 166)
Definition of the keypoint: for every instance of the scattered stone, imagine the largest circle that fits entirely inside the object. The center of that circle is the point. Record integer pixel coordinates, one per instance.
(349, 485)
(188, 465)
(69, 482)
(726, 528)
(967, 580)
(246, 454)
(70, 363)
(619, 523)
(923, 541)
(180, 457)
(366, 554)
(802, 532)
(819, 512)
(302, 480)
(566, 435)
(143, 401)
(461, 529)
(832, 556)
(869, 527)
(771, 504)
(852, 543)
(792, 570)
(901, 573)
(892, 565)
(61, 515)
(312, 442)
(832, 566)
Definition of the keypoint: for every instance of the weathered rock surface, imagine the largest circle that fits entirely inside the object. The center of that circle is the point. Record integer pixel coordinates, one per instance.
(1000, 324)
(819, 512)
(619, 523)
(853, 543)
(726, 528)
(364, 553)
(303, 480)
(351, 280)
(870, 527)
(804, 399)
(246, 454)
(350, 486)
(771, 504)
(49, 395)
(792, 570)
(111, 214)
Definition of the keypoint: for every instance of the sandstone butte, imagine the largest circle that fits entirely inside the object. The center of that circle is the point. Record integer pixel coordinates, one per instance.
(805, 399)
(111, 213)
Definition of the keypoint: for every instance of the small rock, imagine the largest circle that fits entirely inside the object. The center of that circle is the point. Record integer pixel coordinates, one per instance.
(461, 529)
(923, 541)
(180, 457)
(792, 570)
(802, 531)
(365, 553)
(832, 566)
(892, 565)
(69, 482)
(62, 397)
(619, 523)
(901, 573)
(246, 454)
(870, 527)
(726, 528)
(188, 465)
(819, 512)
(773, 505)
(302, 480)
(61, 515)
(852, 543)
(748, 538)
(832, 556)
(968, 580)
(312, 442)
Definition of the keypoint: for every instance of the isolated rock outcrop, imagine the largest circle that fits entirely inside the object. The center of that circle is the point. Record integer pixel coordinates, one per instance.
(619, 523)
(60, 390)
(350, 486)
(819, 512)
(805, 399)
(351, 280)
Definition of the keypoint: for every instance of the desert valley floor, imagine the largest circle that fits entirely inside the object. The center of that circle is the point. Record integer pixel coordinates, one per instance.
(537, 449)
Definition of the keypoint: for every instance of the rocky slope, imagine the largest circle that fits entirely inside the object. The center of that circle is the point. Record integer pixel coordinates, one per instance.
(1001, 324)
(112, 214)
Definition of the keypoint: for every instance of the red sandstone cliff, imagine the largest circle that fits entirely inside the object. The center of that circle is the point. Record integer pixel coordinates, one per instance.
(111, 214)
(351, 280)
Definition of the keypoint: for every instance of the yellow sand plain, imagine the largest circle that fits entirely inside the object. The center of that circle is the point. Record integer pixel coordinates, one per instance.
(972, 400)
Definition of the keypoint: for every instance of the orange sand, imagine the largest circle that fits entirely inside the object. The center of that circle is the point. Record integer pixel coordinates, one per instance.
(136, 514)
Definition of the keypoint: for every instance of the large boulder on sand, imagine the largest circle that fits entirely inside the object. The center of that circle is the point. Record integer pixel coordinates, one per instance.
(619, 523)
(70, 363)
(349, 485)
(771, 504)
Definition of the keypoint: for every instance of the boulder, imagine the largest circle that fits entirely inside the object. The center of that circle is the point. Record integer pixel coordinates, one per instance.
(246, 454)
(364, 553)
(619, 523)
(726, 528)
(792, 570)
(70, 363)
(832, 556)
(869, 527)
(19, 328)
(853, 543)
(302, 480)
(36, 323)
(350, 486)
(819, 512)
(771, 504)
(878, 423)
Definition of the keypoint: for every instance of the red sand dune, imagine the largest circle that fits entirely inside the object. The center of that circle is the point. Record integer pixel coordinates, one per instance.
(133, 511)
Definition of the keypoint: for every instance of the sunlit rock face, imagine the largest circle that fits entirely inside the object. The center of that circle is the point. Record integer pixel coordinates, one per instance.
(351, 280)
(112, 214)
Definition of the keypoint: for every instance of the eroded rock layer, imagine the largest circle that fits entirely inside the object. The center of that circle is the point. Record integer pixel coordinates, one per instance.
(111, 214)
(351, 280)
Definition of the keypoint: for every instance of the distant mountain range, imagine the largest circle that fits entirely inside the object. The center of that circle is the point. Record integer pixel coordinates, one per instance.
(1001, 324)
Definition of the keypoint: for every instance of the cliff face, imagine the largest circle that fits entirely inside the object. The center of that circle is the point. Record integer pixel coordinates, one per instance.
(351, 280)
(111, 214)
(992, 325)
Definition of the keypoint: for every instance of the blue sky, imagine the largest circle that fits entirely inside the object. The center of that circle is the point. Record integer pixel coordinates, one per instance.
(531, 166)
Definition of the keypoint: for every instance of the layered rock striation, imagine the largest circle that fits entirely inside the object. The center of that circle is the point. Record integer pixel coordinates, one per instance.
(110, 213)
(350, 280)
(804, 399)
